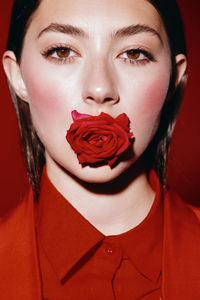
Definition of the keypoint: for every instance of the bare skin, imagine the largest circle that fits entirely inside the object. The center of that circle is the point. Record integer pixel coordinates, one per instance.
(97, 65)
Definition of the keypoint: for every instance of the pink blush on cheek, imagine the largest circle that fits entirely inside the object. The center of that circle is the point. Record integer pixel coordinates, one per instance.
(46, 94)
(154, 98)
(43, 98)
(48, 107)
(146, 113)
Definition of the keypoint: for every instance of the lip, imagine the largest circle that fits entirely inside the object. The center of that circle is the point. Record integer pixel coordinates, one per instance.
(79, 116)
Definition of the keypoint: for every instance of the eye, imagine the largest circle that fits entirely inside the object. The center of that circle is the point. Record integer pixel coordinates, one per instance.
(138, 56)
(132, 54)
(60, 53)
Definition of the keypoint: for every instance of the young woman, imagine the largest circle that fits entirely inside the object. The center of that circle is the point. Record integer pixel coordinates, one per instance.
(96, 86)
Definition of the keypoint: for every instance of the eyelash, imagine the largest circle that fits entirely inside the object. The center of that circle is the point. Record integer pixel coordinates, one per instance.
(54, 49)
(148, 56)
(49, 52)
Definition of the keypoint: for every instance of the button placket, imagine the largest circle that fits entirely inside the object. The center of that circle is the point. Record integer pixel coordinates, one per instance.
(109, 249)
(108, 257)
(112, 250)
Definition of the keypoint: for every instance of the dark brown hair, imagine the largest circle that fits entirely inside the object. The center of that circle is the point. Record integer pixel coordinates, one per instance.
(156, 154)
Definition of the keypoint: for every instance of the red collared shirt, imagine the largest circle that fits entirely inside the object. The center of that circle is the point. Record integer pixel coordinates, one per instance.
(79, 262)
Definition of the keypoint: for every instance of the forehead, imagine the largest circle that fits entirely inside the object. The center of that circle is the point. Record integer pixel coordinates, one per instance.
(97, 15)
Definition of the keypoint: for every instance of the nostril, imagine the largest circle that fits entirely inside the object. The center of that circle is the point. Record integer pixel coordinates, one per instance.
(99, 99)
(111, 99)
(108, 99)
(90, 98)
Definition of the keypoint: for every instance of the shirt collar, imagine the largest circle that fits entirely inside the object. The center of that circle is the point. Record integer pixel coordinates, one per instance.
(66, 236)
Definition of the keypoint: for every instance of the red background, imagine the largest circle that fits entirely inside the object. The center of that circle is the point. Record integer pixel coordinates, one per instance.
(184, 163)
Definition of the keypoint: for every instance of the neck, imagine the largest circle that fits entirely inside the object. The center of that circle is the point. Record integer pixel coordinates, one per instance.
(114, 207)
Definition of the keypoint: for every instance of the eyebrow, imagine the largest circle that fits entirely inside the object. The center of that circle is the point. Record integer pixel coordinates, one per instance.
(120, 33)
(63, 28)
(135, 29)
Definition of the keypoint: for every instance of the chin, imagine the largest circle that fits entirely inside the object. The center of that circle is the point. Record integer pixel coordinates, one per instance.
(88, 174)
(101, 174)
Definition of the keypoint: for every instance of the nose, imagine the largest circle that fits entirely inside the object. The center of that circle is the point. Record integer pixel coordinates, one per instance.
(100, 84)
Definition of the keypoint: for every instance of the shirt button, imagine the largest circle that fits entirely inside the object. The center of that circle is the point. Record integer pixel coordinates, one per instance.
(109, 250)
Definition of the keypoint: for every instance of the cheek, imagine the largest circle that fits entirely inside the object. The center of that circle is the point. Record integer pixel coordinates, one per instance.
(152, 98)
(47, 108)
(146, 101)
(43, 98)
(48, 101)
(49, 88)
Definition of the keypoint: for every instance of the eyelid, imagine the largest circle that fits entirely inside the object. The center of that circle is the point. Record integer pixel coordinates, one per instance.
(139, 50)
(48, 51)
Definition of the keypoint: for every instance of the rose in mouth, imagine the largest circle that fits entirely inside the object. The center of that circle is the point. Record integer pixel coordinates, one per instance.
(99, 139)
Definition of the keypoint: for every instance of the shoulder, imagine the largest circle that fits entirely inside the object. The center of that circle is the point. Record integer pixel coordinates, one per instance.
(18, 253)
(14, 223)
(181, 229)
(181, 253)
(176, 208)
(181, 236)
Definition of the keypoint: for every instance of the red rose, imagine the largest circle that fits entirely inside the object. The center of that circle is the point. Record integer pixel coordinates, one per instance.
(99, 138)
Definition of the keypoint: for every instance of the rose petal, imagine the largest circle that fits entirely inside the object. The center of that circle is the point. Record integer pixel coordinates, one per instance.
(123, 121)
(77, 116)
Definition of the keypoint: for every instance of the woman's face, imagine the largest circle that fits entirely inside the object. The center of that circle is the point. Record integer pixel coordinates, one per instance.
(95, 56)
